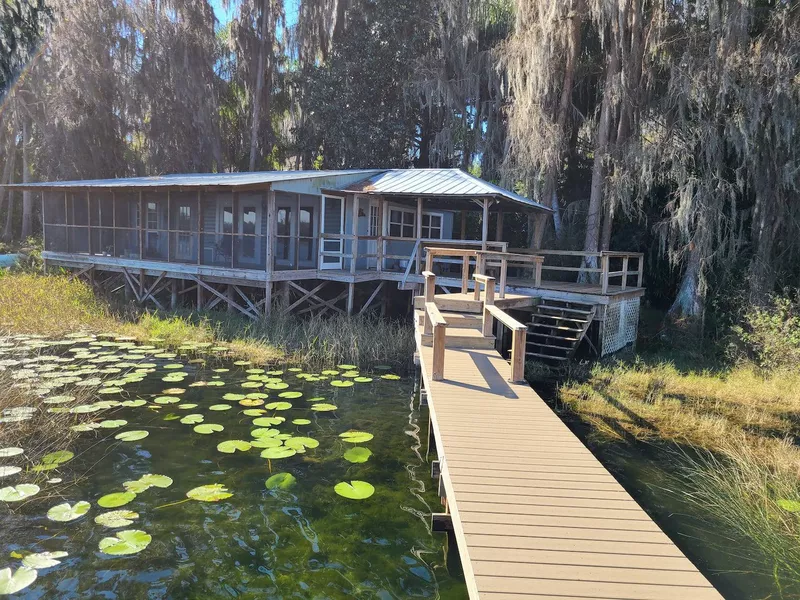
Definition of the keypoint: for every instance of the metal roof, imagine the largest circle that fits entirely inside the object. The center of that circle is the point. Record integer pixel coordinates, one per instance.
(195, 179)
(441, 183)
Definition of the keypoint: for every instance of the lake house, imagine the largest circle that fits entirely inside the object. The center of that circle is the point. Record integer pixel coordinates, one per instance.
(334, 241)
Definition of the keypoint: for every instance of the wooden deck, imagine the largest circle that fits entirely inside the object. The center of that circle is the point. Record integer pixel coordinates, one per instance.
(534, 513)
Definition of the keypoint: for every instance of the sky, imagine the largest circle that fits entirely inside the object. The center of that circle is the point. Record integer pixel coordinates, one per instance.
(224, 16)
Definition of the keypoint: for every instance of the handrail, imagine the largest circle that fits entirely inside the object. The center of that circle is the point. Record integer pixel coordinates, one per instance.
(488, 284)
(436, 325)
(505, 318)
(519, 333)
(411, 261)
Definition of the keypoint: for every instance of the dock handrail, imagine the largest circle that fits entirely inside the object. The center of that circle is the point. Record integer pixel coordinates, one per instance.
(434, 324)
(503, 259)
(594, 262)
(519, 331)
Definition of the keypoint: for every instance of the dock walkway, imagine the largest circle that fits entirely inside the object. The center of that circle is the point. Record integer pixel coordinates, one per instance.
(534, 513)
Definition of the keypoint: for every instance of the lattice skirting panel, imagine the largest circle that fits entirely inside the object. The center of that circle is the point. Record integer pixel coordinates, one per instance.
(620, 326)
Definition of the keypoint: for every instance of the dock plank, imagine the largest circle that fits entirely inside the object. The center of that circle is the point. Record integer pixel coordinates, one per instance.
(534, 513)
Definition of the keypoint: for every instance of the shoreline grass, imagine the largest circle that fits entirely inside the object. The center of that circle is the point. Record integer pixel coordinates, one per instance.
(52, 306)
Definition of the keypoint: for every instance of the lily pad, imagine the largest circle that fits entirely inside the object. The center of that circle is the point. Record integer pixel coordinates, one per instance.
(301, 421)
(116, 518)
(212, 492)
(356, 437)
(11, 583)
(10, 451)
(323, 407)
(147, 481)
(234, 397)
(281, 481)
(341, 384)
(134, 403)
(115, 499)
(166, 400)
(129, 541)
(132, 436)
(268, 421)
(254, 412)
(58, 457)
(231, 446)
(192, 419)
(278, 406)
(65, 512)
(278, 452)
(347, 367)
(112, 423)
(390, 377)
(43, 560)
(266, 442)
(290, 395)
(18, 492)
(208, 428)
(354, 490)
(220, 407)
(301, 443)
(358, 454)
(277, 385)
(363, 379)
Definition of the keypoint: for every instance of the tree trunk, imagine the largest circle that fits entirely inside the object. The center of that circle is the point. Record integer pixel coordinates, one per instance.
(8, 177)
(592, 240)
(27, 196)
(689, 301)
(259, 87)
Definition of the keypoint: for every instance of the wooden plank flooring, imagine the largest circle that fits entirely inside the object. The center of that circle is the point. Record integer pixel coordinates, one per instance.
(535, 514)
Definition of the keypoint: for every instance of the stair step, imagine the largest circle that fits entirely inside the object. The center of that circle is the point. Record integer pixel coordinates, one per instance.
(554, 337)
(561, 318)
(547, 356)
(564, 309)
(538, 345)
(464, 338)
(557, 327)
(455, 321)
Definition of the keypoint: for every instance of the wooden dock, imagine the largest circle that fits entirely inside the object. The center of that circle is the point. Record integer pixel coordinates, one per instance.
(534, 513)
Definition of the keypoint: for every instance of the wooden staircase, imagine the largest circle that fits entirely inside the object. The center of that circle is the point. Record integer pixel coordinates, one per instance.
(463, 330)
(556, 330)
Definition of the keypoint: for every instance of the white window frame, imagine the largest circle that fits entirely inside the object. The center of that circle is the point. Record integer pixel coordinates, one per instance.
(401, 210)
(425, 213)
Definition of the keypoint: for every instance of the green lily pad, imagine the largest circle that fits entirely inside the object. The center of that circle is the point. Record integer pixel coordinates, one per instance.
(231, 446)
(109, 390)
(208, 428)
(278, 406)
(147, 481)
(301, 443)
(268, 421)
(18, 492)
(277, 385)
(173, 366)
(166, 400)
(354, 490)
(341, 384)
(112, 423)
(358, 454)
(192, 419)
(234, 397)
(356, 437)
(171, 417)
(43, 560)
(251, 402)
(65, 512)
(253, 412)
(220, 407)
(290, 395)
(132, 436)
(363, 379)
(350, 374)
(280, 481)
(11, 583)
(347, 367)
(186, 406)
(390, 377)
(58, 399)
(278, 452)
(116, 518)
(128, 541)
(252, 384)
(266, 442)
(323, 407)
(115, 499)
(58, 457)
(212, 492)
(301, 421)
(134, 403)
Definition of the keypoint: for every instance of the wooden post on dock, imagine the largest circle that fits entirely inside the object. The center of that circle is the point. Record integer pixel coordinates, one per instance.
(173, 294)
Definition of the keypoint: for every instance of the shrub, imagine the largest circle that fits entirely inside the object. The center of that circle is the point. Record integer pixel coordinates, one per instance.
(770, 335)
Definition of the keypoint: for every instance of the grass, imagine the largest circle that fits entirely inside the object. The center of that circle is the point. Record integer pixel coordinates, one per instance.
(741, 423)
(54, 306)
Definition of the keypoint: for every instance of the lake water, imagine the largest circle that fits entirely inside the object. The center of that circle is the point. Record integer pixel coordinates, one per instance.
(304, 541)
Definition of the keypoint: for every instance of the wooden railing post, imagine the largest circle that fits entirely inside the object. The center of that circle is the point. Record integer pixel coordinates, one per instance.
(624, 272)
(503, 276)
(537, 273)
(429, 260)
(518, 343)
(430, 293)
(641, 271)
(604, 273)
(464, 274)
(439, 333)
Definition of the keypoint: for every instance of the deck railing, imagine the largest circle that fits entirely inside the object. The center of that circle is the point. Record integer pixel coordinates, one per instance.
(434, 324)
(595, 267)
(519, 331)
